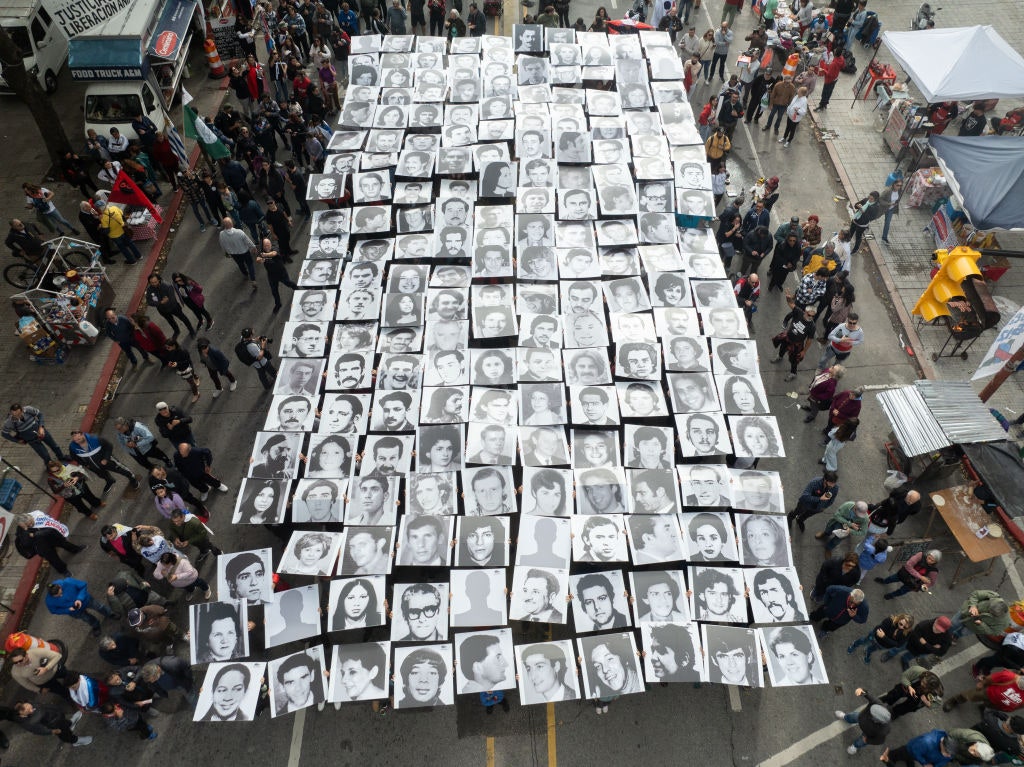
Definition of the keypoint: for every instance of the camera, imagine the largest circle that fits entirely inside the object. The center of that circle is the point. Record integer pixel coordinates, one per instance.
(266, 340)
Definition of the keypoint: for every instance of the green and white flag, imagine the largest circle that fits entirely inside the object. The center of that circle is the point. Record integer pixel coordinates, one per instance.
(200, 131)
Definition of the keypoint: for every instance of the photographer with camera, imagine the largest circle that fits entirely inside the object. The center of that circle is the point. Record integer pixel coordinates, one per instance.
(252, 351)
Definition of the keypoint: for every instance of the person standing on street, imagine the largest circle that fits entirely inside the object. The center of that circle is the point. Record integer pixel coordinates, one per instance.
(841, 605)
(112, 221)
(841, 341)
(175, 482)
(120, 330)
(819, 494)
(72, 484)
(195, 463)
(96, 453)
(25, 426)
(188, 530)
(173, 424)
(723, 39)
(71, 597)
(164, 298)
(217, 365)
(875, 722)
(280, 223)
(866, 211)
(794, 114)
(139, 442)
(277, 273)
(779, 98)
(190, 293)
(41, 535)
(116, 541)
(41, 719)
(239, 247)
(40, 199)
(253, 352)
(831, 75)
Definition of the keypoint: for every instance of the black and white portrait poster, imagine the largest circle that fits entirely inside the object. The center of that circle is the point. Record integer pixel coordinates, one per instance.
(794, 658)
(599, 538)
(356, 603)
(539, 594)
(672, 652)
(599, 601)
(245, 575)
(718, 594)
(297, 681)
(759, 491)
(431, 494)
(359, 672)
(544, 541)
(733, 655)
(709, 536)
(366, 551)
(484, 661)
(423, 676)
(310, 553)
(420, 612)
(478, 598)
(229, 693)
(275, 455)
(654, 538)
(482, 542)
(659, 596)
(425, 541)
(219, 631)
(261, 502)
(318, 501)
(293, 614)
(611, 666)
(764, 541)
(547, 672)
(775, 595)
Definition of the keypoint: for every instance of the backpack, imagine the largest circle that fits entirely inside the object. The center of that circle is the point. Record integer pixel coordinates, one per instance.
(850, 67)
(244, 355)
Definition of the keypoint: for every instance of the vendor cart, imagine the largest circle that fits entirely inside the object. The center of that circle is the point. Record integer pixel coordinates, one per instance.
(66, 300)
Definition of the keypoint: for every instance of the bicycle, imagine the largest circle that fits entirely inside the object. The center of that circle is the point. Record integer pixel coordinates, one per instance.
(26, 273)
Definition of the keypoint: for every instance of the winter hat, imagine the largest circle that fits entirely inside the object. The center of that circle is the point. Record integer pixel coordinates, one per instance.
(1017, 725)
(135, 618)
(161, 405)
(119, 585)
(880, 713)
(942, 624)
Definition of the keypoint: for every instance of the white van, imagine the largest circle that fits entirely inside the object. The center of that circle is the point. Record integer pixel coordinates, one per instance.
(41, 40)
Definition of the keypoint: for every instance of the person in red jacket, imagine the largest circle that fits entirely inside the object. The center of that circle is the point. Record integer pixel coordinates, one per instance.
(831, 73)
(1002, 690)
(845, 405)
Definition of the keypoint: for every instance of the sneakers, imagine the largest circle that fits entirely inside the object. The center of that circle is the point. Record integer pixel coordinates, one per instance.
(233, 386)
(223, 488)
(840, 714)
(202, 228)
(204, 495)
(851, 750)
(75, 719)
(786, 145)
(85, 740)
(152, 735)
(210, 324)
(789, 376)
(189, 596)
(208, 593)
(216, 393)
(133, 483)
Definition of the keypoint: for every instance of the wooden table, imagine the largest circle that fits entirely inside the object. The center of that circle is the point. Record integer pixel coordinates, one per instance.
(964, 516)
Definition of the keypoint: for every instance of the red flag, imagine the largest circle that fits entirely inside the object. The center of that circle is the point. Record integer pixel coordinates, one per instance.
(127, 191)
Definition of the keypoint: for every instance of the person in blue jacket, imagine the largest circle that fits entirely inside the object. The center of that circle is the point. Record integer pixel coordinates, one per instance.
(70, 596)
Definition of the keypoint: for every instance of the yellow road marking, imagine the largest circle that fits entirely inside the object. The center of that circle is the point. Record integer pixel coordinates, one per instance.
(490, 752)
(552, 748)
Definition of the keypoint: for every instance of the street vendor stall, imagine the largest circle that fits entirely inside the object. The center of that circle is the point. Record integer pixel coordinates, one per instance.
(66, 300)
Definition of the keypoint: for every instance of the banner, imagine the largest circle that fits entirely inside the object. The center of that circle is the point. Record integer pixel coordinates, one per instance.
(1009, 340)
(127, 191)
(77, 16)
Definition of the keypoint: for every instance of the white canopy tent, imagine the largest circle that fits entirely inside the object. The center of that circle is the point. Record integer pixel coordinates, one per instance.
(960, 64)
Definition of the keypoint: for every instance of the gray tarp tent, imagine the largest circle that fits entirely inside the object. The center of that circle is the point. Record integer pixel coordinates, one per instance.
(986, 173)
(959, 64)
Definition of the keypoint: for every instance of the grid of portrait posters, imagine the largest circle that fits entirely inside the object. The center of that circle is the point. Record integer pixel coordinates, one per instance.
(515, 385)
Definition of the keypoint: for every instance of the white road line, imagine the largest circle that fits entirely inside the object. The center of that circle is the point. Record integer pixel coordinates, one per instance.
(295, 750)
(734, 698)
(614, 4)
(1011, 570)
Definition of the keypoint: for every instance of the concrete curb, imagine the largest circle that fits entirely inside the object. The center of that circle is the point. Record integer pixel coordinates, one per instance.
(906, 319)
(26, 584)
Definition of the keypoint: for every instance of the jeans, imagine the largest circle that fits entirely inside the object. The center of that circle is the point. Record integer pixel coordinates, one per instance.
(245, 264)
(828, 355)
(729, 14)
(57, 218)
(198, 583)
(776, 114)
(267, 374)
(888, 222)
(858, 235)
(154, 452)
(215, 377)
(39, 445)
(831, 457)
(128, 249)
(904, 589)
(84, 615)
(683, 7)
(280, 90)
(706, 68)
(169, 318)
(127, 346)
(719, 60)
(201, 205)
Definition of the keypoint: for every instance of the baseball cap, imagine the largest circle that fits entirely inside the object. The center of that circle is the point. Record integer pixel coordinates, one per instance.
(161, 405)
(135, 618)
(942, 624)
(794, 219)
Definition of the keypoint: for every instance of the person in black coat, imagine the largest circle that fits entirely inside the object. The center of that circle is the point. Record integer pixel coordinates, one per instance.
(277, 273)
(174, 424)
(116, 541)
(761, 84)
(217, 365)
(44, 542)
(164, 298)
(836, 572)
(195, 463)
(179, 360)
(927, 638)
(280, 221)
(874, 721)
